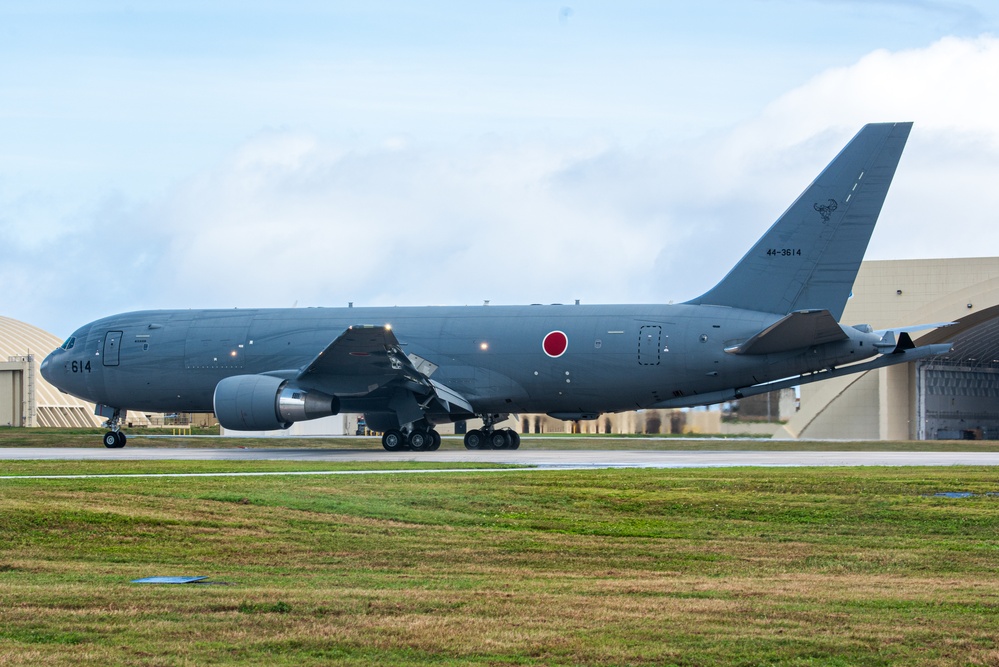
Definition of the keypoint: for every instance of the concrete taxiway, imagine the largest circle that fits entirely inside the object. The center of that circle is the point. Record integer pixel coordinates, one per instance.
(540, 458)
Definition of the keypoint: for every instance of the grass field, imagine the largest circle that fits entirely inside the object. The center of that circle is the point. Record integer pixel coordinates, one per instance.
(754, 566)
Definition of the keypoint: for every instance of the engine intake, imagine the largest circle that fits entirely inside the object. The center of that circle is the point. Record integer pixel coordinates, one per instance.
(267, 403)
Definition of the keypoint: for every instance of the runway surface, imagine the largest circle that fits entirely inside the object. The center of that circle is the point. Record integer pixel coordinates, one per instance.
(579, 459)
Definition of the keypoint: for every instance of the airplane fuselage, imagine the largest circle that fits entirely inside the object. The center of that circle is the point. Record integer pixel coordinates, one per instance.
(612, 357)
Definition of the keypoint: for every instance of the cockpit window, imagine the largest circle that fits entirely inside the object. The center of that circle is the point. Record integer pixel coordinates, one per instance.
(70, 342)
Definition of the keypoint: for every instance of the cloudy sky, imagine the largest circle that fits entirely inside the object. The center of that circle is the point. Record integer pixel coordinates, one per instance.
(233, 154)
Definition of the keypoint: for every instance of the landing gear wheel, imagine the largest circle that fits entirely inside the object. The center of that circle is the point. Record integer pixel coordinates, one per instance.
(114, 439)
(514, 440)
(435, 441)
(500, 440)
(393, 440)
(475, 439)
(420, 440)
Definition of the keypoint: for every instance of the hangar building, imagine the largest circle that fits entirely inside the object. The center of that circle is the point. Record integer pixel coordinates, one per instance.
(954, 396)
(26, 399)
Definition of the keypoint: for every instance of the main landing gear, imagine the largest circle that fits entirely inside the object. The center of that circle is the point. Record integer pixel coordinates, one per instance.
(114, 438)
(421, 437)
(489, 438)
(417, 439)
(504, 438)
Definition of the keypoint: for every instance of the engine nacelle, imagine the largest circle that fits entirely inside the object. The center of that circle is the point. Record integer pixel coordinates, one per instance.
(267, 403)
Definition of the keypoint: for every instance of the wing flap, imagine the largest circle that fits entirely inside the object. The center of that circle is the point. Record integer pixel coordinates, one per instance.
(794, 331)
(451, 399)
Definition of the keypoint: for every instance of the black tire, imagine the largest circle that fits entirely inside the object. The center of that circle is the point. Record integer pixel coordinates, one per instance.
(393, 440)
(475, 439)
(114, 439)
(435, 441)
(500, 440)
(514, 440)
(420, 441)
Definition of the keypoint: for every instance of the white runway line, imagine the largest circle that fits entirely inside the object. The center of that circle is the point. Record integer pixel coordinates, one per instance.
(532, 459)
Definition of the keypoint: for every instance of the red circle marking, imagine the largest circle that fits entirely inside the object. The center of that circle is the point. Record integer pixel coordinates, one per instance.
(555, 344)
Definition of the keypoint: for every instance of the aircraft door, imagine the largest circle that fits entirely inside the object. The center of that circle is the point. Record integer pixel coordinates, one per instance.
(650, 345)
(112, 348)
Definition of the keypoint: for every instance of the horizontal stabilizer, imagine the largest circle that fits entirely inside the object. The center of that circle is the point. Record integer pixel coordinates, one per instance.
(793, 332)
(898, 339)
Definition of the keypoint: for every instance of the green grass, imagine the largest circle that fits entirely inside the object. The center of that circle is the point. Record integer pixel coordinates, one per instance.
(775, 566)
(125, 467)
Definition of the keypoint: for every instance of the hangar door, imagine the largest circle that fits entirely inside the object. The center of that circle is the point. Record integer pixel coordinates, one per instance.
(957, 402)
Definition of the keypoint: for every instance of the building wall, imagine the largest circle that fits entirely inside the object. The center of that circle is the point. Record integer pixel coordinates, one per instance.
(13, 399)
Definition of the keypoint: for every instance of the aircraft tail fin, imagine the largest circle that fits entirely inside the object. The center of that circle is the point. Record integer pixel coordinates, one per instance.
(809, 258)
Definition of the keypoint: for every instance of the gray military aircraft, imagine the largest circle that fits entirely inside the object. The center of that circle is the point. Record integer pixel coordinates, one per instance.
(771, 323)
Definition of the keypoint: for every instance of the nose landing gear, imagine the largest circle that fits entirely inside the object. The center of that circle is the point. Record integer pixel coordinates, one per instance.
(114, 438)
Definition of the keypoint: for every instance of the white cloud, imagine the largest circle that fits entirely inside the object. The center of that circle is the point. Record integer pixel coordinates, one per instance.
(295, 216)
(295, 219)
(943, 199)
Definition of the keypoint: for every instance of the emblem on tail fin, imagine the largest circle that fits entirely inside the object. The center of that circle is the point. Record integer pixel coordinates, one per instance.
(825, 210)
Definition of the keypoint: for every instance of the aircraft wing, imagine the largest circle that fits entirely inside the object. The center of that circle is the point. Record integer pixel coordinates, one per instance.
(365, 358)
(360, 360)
(796, 330)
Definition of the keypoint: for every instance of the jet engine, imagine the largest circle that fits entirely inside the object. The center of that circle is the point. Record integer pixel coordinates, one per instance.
(267, 403)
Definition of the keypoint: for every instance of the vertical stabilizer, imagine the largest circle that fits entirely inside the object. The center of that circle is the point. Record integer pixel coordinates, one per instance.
(809, 258)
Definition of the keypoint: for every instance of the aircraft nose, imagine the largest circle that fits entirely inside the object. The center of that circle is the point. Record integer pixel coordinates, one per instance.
(46, 367)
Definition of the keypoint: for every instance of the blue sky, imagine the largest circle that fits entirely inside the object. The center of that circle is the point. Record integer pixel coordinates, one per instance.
(174, 154)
